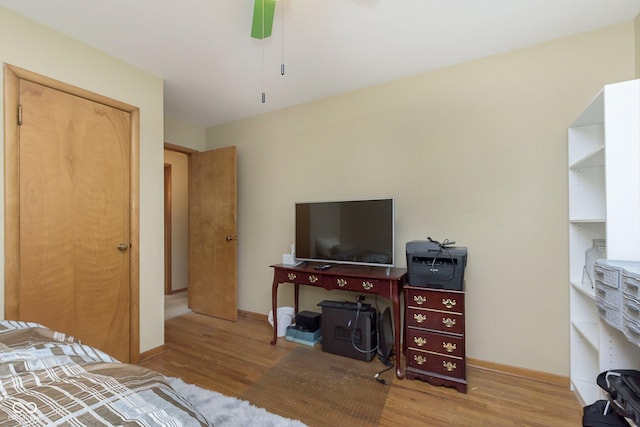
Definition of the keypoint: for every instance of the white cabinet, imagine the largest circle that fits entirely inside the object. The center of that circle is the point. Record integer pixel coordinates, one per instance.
(604, 203)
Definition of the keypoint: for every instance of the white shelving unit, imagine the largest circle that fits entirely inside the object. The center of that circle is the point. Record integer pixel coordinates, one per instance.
(604, 203)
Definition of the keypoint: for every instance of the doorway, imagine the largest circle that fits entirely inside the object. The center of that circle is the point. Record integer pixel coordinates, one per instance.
(176, 226)
(211, 225)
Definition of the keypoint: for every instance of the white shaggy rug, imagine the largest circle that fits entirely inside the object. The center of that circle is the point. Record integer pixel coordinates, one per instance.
(225, 411)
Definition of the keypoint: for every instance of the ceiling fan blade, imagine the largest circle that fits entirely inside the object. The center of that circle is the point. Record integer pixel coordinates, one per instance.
(263, 11)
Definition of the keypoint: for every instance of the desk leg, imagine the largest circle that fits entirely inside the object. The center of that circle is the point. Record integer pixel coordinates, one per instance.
(296, 293)
(395, 300)
(274, 308)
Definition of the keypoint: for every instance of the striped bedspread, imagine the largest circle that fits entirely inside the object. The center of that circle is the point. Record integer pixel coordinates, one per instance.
(48, 378)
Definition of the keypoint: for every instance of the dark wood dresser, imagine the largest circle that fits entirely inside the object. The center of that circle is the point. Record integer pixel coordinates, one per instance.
(434, 333)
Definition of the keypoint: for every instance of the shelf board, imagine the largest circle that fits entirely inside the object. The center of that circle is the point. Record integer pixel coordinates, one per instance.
(586, 391)
(590, 160)
(588, 331)
(593, 114)
(585, 289)
(587, 220)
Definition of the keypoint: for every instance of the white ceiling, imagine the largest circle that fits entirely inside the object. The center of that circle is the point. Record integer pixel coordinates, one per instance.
(214, 72)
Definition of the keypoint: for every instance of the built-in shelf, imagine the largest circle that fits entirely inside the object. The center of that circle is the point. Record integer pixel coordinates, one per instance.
(604, 204)
(585, 288)
(587, 220)
(585, 391)
(590, 160)
(588, 331)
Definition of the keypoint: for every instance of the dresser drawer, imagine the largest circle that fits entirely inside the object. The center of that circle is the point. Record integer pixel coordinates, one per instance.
(357, 284)
(435, 299)
(436, 363)
(444, 321)
(435, 343)
(301, 277)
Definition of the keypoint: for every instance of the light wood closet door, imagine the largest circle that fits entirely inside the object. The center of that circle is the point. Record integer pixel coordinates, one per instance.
(74, 217)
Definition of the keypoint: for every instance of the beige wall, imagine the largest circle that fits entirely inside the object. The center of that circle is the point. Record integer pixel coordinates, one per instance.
(637, 33)
(475, 153)
(36, 48)
(184, 134)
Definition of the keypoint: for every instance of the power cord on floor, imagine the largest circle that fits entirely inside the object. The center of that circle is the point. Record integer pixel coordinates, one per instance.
(389, 366)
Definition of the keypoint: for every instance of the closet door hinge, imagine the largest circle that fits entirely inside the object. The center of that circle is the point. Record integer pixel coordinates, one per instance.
(19, 114)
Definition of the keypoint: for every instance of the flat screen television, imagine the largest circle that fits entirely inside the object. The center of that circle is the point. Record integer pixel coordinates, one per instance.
(347, 232)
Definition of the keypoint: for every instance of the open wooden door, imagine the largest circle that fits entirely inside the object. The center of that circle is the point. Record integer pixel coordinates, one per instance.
(212, 233)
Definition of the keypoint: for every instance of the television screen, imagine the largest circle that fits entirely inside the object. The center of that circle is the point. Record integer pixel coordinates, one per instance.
(353, 232)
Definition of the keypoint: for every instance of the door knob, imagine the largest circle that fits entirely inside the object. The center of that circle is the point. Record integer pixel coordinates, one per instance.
(123, 247)
(230, 238)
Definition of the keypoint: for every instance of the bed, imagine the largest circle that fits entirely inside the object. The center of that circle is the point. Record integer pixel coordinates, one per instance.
(49, 378)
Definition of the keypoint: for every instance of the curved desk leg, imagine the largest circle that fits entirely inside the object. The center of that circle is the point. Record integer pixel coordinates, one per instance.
(395, 300)
(274, 304)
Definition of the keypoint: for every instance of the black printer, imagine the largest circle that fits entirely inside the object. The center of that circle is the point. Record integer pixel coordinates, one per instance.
(432, 264)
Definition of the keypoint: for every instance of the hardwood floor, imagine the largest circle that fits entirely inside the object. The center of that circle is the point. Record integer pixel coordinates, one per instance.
(229, 356)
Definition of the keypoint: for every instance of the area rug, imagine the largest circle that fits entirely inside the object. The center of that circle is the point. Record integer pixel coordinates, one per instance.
(225, 411)
(342, 390)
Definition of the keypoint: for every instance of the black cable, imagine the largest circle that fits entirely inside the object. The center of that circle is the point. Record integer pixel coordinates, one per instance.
(353, 333)
(444, 250)
(389, 366)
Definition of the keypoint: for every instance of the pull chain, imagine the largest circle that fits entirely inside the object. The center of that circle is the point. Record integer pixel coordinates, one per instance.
(264, 96)
(282, 38)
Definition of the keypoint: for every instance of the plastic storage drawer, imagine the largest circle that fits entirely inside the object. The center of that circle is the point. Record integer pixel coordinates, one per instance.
(631, 308)
(630, 282)
(631, 330)
(612, 316)
(607, 273)
(608, 295)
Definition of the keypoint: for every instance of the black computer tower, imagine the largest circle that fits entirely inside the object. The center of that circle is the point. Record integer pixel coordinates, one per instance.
(348, 331)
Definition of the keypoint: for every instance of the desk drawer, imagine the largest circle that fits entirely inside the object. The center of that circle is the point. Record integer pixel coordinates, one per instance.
(357, 284)
(301, 277)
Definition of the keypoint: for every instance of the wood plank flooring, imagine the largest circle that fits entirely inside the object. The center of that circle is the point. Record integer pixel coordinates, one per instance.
(229, 356)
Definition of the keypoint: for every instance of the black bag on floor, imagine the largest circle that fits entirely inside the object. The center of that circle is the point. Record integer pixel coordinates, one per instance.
(594, 416)
(623, 388)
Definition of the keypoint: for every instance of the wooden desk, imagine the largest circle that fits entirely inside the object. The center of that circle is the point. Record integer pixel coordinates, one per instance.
(362, 279)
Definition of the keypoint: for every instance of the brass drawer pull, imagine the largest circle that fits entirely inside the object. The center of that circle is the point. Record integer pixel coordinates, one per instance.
(292, 276)
(419, 341)
(448, 322)
(313, 279)
(419, 299)
(449, 303)
(367, 285)
(448, 366)
(419, 359)
(418, 317)
(342, 282)
(449, 347)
